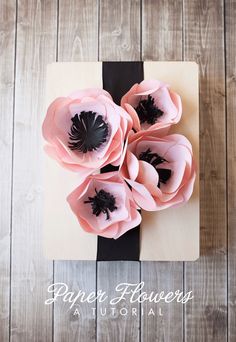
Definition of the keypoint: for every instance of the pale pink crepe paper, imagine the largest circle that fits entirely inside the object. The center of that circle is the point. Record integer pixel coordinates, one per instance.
(165, 99)
(143, 177)
(58, 122)
(121, 220)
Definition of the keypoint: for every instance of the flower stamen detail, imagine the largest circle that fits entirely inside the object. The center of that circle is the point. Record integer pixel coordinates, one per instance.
(147, 111)
(88, 132)
(154, 159)
(102, 202)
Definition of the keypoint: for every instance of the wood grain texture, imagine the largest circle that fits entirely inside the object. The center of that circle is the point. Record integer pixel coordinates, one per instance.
(206, 315)
(119, 30)
(122, 323)
(230, 27)
(77, 323)
(78, 30)
(119, 39)
(162, 40)
(31, 320)
(30, 274)
(167, 324)
(77, 41)
(162, 30)
(7, 54)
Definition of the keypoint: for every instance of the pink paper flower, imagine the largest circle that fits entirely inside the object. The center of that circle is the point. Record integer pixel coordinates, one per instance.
(151, 104)
(104, 205)
(86, 131)
(160, 171)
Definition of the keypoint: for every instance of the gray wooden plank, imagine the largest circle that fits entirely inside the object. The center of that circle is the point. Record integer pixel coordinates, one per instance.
(206, 315)
(78, 31)
(119, 40)
(31, 319)
(230, 26)
(119, 30)
(118, 322)
(162, 30)
(77, 41)
(7, 48)
(77, 323)
(162, 40)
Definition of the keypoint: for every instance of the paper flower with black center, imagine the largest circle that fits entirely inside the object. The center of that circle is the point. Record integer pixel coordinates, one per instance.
(103, 205)
(152, 105)
(160, 170)
(86, 131)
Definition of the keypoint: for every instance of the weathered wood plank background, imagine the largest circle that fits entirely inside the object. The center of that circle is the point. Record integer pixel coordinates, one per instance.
(34, 33)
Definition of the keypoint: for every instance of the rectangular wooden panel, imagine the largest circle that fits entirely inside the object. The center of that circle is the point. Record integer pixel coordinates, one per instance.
(171, 234)
(119, 30)
(206, 314)
(7, 65)
(120, 321)
(230, 27)
(31, 320)
(79, 322)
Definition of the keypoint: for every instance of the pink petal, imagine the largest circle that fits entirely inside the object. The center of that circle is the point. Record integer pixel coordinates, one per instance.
(148, 176)
(91, 92)
(177, 173)
(142, 196)
(178, 104)
(134, 116)
(164, 102)
(111, 231)
(132, 223)
(149, 86)
(132, 165)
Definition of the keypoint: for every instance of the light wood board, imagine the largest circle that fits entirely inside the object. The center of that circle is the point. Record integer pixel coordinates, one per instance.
(171, 234)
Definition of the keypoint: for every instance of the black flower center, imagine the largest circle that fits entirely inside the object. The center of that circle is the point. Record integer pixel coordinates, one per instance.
(102, 202)
(88, 131)
(147, 111)
(154, 159)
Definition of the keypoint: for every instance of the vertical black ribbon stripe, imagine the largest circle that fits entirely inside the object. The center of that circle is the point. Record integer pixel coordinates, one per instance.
(118, 78)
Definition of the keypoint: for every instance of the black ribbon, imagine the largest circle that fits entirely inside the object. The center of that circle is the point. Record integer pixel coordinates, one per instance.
(118, 78)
